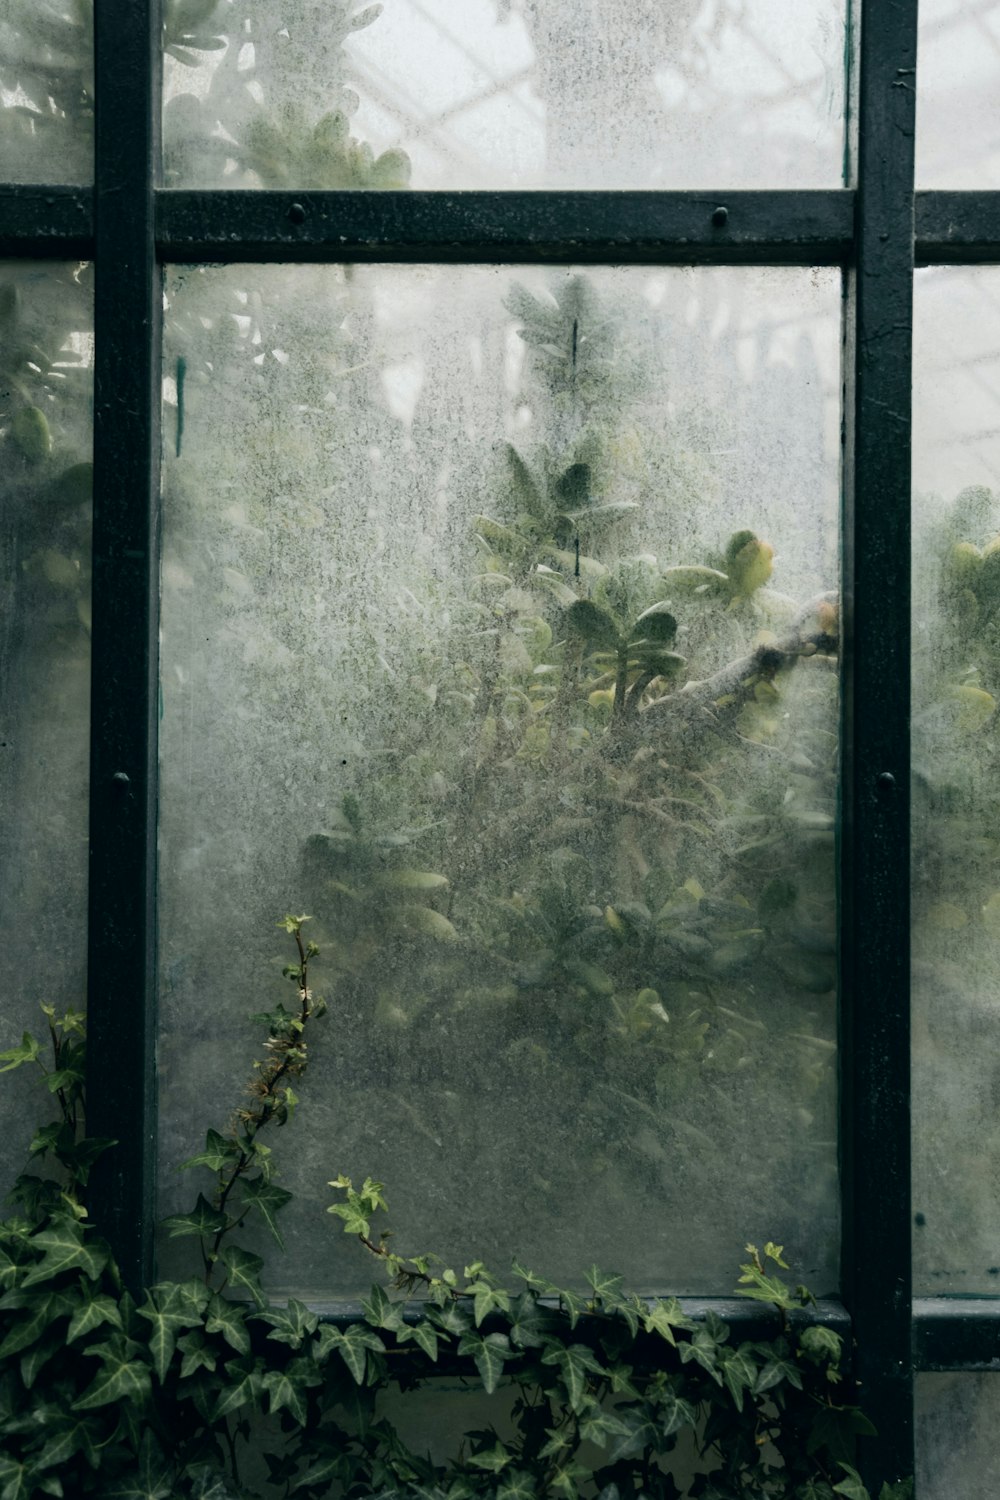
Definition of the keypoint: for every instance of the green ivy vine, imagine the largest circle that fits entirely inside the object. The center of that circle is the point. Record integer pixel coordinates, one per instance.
(204, 1389)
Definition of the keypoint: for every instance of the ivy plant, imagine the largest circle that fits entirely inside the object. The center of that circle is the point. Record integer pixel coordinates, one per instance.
(204, 1388)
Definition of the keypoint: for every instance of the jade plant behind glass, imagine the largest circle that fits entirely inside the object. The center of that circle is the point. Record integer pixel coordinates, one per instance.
(499, 634)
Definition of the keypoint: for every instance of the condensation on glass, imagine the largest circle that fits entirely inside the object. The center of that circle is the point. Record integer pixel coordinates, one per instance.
(505, 93)
(956, 796)
(45, 486)
(956, 1417)
(46, 91)
(463, 656)
(958, 124)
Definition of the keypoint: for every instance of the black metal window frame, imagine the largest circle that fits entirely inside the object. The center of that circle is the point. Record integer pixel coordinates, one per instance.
(877, 230)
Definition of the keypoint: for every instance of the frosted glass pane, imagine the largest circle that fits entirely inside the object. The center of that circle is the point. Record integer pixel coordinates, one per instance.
(578, 942)
(506, 93)
(46, 91)
(45, 386)
(956, 1427)
(956, 808)
(958, 126)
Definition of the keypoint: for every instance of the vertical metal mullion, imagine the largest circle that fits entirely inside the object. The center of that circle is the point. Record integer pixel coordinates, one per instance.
(875, 854)
(121, 989)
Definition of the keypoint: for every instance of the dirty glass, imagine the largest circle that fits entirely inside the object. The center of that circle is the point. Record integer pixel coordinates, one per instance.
(46, 91)
(955, 1428)
(45, 484)
(504, 93)
(499, 632)
(958, 127)
(956, 798)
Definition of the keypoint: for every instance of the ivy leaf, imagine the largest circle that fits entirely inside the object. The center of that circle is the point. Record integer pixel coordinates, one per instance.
(494, 1459)
(606, 1288)
(94, 1313)
(599, 1426)
(381, 1312)
(851, 1486)
(269, 1200)
(640, 1434)
(64, 1251)
(575, 1361)
(203, 1219)
(530, 1324)
(517, 1485)
(486, 1298)
(834, 1429)
(170, 1307)
(198, 1353)
(821, 1344)
(664, 1316)
(16, 1482)
(72, 1435)
(121, 1378)
(333, 1464)
(451, 1318)
(219, 1149)
(423, 1335)
(244, 1382)
(674, 1413)
(290, 1326)
(152, 1479)
(738, 1373)
(488, 1355)
(35, 1358)
(774, 1371)
(228, 1319)
(285, 1388)
(352, 1344)
(41, 1310)
(243, 1269)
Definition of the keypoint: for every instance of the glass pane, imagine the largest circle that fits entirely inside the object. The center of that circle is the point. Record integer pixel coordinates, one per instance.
(505, 93)
(956, 806)
(46, 91)
(958, 128)
(45, 482)
(956, 1425)
(577, 924)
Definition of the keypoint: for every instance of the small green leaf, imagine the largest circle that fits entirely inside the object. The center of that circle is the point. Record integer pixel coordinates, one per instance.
(243, 1269)
(266, 1197)
(219, 1149)
(575, 1362)
(98, 1311)
(423, 1335)
(292, 1325)
(203, 1219)
(226, 1318)
(352, 1344)
(121, 1378)
(488, 1355)
(851, 1486)
(64, 1251)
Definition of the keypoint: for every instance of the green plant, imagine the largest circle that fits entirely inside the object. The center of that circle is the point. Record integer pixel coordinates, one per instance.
(181, 1393)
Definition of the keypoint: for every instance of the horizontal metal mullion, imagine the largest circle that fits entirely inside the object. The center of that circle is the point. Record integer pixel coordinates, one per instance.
(45, 222)
(957, 228)
(618, 228)
(746, 1317)
(956, 1333)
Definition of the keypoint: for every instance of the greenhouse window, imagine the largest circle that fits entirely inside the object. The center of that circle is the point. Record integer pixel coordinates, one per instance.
(499, 545)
